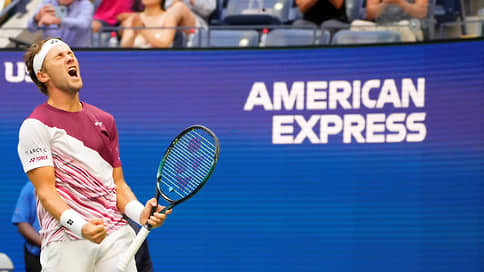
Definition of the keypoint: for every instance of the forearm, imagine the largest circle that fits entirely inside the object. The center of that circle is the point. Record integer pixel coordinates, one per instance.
(374, 10)
(136, 211)
(123, 16)
(52, 202)
(124, 196)
(32, 23)
(75, 22)
(127, 40)
(123, 192)
(29, 233)
(416, 10)
(43, 179)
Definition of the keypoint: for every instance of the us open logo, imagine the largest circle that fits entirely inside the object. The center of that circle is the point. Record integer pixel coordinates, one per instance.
(16, 72)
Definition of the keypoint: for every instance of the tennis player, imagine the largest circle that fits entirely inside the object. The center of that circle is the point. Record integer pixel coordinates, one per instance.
(69, 150)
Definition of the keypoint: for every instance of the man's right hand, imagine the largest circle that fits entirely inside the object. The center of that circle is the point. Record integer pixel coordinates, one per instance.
(94, 230)
(43, 11)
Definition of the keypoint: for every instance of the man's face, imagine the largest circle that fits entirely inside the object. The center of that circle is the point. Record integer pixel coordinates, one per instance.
(63, 69)
(65, 2)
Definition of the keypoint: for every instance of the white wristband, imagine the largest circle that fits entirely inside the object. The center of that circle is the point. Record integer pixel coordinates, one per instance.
(133, 210)
(73, 221)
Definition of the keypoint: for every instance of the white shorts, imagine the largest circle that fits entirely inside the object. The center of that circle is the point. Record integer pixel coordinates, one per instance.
(86, 256)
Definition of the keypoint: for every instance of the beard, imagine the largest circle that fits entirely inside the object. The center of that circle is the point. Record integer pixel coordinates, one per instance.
(69, 87)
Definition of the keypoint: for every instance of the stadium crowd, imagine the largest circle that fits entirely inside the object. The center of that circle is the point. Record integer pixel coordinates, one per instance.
(240, 23)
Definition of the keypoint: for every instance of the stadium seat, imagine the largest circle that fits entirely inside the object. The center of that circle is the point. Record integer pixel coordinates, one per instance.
(292, 37)
(225, 38)
(365, 37)
(429, 22)
(180, 39)
(448, 10)
(354, 9)
(215, 17)
(6, 264)
(480, 13)
(324, 37)
(257, 12)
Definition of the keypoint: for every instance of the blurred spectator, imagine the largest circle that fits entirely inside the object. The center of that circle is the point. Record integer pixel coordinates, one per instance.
(155, 26)
(399, 15)
(154, 17)
(68, 19)
(200, 10)
(25, 218)
(395, 10)
(319, 11)
(109, 13)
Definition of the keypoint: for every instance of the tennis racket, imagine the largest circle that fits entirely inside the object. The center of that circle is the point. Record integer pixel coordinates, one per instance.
(185, 167)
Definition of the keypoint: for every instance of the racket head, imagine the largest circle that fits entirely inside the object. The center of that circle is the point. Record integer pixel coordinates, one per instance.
(187, 164)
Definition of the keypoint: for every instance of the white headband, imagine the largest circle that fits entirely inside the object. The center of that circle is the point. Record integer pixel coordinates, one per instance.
(39, 57)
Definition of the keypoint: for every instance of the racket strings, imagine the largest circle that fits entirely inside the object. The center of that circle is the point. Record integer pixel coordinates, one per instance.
(192, 163)
(189, 180)
(207, 141)
(196, 165)
(200, 159)
(188, 163)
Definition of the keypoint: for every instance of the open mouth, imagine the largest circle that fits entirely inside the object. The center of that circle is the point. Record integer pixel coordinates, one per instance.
(73, 72)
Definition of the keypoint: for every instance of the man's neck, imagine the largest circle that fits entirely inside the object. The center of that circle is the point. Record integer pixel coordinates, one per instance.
(64, 101)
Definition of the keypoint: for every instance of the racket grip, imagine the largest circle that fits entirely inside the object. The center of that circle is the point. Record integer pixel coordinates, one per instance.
(133, 248)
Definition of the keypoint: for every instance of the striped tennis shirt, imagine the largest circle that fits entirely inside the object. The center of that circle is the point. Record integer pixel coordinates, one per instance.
(83, 149)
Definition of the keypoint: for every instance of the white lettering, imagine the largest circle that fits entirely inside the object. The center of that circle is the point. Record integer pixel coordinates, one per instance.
(336, 96)
(393, 126)
(258, 96)
(283, 96)
(415, 124)
(388, 94)
(375, 124)
(354, 124)
(331, 124)
(21, 75)
(417, 94)
(315, 99)
(282, 129)
(365, 93)
(306, 129)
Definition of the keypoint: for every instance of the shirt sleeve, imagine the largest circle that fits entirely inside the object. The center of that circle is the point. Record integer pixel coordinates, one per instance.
(204, 7)
(34, 145)
(82, 17)
(116, 161)
(201, 7)
(31, 24)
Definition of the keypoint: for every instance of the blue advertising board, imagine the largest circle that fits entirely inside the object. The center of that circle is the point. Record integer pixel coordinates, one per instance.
(332, 159)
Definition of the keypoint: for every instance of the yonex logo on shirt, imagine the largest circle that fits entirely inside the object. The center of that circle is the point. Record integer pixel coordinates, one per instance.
(98, 124)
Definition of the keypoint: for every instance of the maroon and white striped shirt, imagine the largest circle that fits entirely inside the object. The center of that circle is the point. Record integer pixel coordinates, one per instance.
(83, 149)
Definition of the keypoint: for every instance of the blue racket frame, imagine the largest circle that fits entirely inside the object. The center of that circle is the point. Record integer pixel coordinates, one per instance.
(159, 191)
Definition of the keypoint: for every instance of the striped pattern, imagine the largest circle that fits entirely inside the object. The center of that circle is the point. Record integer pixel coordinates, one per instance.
(83, 176)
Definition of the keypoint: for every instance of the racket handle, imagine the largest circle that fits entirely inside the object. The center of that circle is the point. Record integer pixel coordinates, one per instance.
(133, 248)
